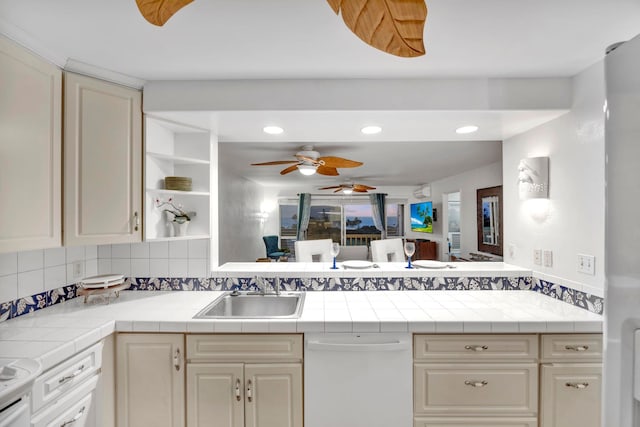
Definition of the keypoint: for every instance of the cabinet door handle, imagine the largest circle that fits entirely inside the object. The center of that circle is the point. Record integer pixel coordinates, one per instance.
(475, 383)
(74, 419)
(576, 347)
(476, 347)
(176, 359)
(238, 385)
(249, 391)
(578, 386)
(71, 376)
(136, 219)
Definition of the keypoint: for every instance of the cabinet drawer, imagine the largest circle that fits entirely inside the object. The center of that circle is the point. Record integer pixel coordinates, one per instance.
(572, 347)
(476, 347)
(75, 409)
(244, 347)
(474, 422)
(60, 379)
(475, 389)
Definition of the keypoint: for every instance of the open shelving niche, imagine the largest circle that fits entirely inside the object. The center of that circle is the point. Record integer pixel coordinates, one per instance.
(174, 149)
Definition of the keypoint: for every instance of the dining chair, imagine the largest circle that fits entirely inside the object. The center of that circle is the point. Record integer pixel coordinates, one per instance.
(386, 250)
(307, 249)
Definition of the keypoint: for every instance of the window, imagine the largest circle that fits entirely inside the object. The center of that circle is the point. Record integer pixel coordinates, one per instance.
(345, 222)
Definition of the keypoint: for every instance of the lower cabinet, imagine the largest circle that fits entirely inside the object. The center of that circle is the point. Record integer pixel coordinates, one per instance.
(150, 380)
(571, 380)
(244, 380)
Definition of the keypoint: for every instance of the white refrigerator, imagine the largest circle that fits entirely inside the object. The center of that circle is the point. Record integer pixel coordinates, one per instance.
(622, 235)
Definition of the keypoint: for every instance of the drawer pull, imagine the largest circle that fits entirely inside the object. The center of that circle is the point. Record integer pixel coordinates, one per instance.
(476, 347)
(176, 359)
(137, 220)
(249, 392)
(238, 385)
(475, 383)
(576, 347)
(74, 419)
(579, 386)
(71, 376)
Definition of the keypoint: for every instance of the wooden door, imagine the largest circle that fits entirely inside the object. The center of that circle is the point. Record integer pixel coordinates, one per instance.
(215, 395)
(150, 380)
(273, 395)
(103, 162)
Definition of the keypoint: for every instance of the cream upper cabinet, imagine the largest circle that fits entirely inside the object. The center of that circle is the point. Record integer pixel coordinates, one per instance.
(30, 150)
(102, 162)
(150, 380)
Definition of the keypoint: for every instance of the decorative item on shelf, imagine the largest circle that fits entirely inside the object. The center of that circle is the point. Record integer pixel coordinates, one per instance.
(180, 218)
(179, 183)
(533, 178)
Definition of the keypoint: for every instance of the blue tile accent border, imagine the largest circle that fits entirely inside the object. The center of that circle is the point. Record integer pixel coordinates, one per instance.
(595, 304)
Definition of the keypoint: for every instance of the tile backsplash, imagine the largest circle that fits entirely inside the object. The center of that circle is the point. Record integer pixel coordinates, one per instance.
(28, 273)
(175, 259)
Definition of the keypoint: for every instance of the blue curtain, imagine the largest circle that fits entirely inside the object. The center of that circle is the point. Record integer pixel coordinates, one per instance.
(379, 209)
(304, 214)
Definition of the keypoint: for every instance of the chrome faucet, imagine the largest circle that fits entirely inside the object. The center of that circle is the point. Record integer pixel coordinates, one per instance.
(262, 283)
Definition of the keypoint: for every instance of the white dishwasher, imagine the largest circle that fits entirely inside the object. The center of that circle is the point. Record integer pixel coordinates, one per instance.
(358, 380)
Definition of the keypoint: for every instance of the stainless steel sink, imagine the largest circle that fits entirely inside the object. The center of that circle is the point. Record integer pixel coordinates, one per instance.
(233, 305)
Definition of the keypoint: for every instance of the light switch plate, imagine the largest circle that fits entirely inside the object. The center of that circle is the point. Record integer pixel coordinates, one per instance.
(548, 258)
(537, 256)
(586, 264)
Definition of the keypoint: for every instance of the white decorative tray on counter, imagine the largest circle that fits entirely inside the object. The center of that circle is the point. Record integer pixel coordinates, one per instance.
(104, 284)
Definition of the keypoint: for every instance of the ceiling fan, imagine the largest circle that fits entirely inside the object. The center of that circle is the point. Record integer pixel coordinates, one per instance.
(309, 162)
(393, 26)
(349, 188)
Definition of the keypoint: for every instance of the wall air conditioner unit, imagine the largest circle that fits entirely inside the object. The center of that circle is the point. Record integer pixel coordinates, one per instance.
(422, 192)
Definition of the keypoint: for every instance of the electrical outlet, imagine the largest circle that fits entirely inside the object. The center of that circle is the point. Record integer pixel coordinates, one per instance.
(548, 258)
(537, 256)
(77, 269)
(587, 264)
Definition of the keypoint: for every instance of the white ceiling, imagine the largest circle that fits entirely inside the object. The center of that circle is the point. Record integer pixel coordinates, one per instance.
(232, 39)
(303, 39)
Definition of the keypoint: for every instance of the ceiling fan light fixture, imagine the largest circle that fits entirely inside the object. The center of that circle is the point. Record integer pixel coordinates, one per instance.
(371, 130)
(347, 190)
(273, 130)
(466, 129)
(307, 170)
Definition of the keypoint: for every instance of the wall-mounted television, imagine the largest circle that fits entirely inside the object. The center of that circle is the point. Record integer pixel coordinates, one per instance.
(422, 217)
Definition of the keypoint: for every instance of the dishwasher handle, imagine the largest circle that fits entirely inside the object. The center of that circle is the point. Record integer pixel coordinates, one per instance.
(392, 345)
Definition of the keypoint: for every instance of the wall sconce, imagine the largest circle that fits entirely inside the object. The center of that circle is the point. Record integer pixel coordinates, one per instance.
(533, 178)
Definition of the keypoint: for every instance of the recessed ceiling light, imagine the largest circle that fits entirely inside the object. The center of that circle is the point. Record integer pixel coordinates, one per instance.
(467, 129)
(273, 130)
(371, 130)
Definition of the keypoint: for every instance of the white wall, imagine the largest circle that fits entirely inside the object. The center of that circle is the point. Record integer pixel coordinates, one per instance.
(571, 221)
(466, 183)
(240, 227)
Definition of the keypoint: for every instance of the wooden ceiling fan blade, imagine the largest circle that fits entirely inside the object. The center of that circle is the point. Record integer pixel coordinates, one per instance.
(158, 12)
(338, 190)
(307, 159)
(276, 162)
(325, 170)
(393, 26)
(363, 187)
(339, 162)
(331, 188)
(359, 190)
(288, 170)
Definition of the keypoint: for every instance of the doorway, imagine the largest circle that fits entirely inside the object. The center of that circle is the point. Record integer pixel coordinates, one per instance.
(451, 224)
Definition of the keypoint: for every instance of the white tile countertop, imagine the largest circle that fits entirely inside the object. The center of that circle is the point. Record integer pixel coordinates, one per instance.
(301, 269)
(53, 334)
